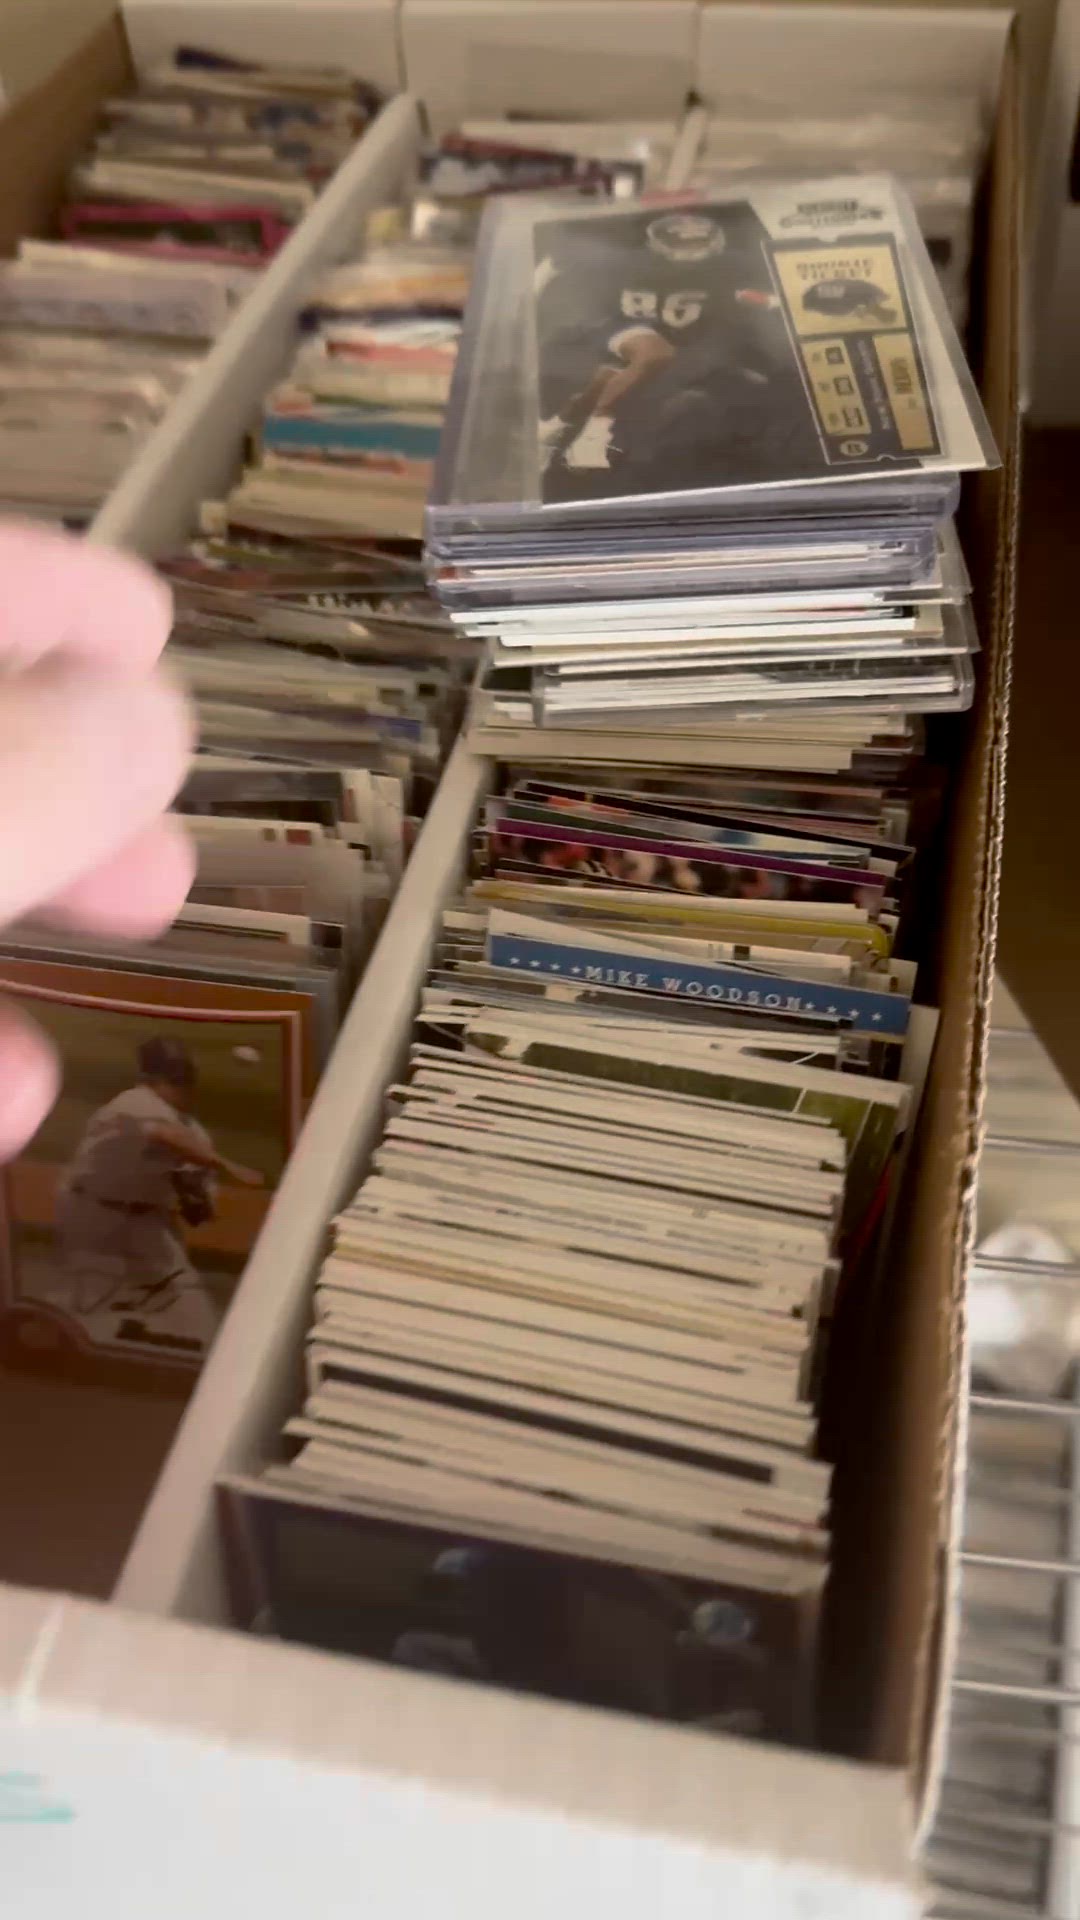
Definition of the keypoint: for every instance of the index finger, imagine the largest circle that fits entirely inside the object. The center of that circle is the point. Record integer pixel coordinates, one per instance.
(58, 594)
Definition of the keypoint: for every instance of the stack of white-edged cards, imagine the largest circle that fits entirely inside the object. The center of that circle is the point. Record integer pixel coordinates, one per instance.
(562, 1424)
(305, 635)
(193, 183)
(569, 1339)
(348, 440)
(356, 424)
(328, 692)
(713, 524)
(362, 735)
(315, 656)
(562, 1428)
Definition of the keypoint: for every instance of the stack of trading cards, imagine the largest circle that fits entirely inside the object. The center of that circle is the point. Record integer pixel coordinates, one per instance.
(357, 422)
(302, 619)
(189, 1064)
(317, 657)
(465, 169)
(564, 1373)
(75, 406)
(338, 596)
(193, 183)
(314, 763)
(214, 160)
(325, 657)
(350, 437)
(714, 524)
(570, 1416)
(645, 146)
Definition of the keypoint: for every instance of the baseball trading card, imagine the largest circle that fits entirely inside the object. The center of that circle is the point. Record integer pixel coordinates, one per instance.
(127, 1221)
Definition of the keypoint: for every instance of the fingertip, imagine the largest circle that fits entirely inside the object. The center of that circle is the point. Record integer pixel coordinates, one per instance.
(88, 761)
(60, 594)
(137, 730)
(138, 605)
(137, 893)
(160, 721)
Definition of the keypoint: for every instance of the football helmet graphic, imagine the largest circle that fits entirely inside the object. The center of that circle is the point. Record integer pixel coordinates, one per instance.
(685, 235)
(848, 299)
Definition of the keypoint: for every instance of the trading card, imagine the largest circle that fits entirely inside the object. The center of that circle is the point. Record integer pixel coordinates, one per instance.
(127, 1221)
(214, 233)
(465, 168)
(727, 1658)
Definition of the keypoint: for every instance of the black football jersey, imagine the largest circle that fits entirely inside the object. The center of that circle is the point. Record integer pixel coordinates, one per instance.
(609, 275)
(730, 399)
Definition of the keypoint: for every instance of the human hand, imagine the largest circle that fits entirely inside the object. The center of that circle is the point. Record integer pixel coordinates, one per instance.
(94, 743)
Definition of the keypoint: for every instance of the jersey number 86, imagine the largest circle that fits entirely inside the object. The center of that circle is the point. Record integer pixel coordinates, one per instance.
(676, 310)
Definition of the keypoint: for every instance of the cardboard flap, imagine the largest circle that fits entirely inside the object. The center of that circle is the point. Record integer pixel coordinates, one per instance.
(992, 537)
(894, 1491)
(43, 134)
(843, 59)
(565, 58)
(194, 1756)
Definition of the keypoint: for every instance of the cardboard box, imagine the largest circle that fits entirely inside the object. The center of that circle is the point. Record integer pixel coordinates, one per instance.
(841, 59)
(39, 36)
(584, 59)
(163, 1764)
(43, 133)
(51, 122)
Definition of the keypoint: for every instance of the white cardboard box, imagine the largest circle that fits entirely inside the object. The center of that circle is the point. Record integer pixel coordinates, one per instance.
(181, 1774)
(586, 59)
(808, 58)
(152, 1766)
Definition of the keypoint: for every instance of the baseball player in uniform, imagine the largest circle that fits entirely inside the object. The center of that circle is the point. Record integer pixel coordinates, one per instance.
(118, 1214)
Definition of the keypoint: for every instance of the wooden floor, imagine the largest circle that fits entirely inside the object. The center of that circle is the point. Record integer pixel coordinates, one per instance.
(1039, 952)
(77, 1467)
